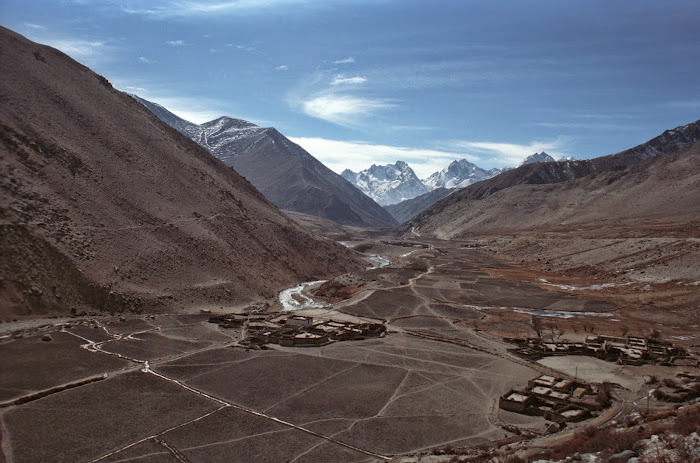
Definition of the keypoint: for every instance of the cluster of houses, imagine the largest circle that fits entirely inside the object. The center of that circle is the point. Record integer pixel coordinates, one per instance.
(556, 399)
(297, 330)
(629, 350)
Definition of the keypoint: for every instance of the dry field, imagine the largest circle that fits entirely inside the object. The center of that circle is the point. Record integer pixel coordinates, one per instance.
(181, 389)
(351, 401)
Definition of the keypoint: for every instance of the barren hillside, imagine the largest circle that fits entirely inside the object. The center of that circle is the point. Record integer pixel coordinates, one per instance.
(640, 184)
(105, 207)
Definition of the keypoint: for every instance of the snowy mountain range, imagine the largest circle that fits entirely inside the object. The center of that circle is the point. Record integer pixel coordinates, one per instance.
(394, 183)
(389, 184)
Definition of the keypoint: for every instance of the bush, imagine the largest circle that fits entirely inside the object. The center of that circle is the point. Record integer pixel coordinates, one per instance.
(687, 421)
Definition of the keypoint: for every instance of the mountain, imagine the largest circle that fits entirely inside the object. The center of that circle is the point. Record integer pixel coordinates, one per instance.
(389, 184)
(406, 210)
(538, 157)
(394, 184)
(104, 207)
(459, 174)
(284, 172)
(656, 179)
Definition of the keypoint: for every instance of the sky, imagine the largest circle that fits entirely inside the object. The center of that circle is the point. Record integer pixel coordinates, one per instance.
(357, 82)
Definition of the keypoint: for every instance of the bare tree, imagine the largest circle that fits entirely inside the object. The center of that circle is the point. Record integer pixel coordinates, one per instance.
(536, 323)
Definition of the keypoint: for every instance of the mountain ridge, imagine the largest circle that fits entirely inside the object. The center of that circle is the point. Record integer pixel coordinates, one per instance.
(485, 206)
(105, 207)
(289, 176)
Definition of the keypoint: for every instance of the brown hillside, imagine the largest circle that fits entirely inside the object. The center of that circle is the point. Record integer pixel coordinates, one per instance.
(639, 184)
(105, 207)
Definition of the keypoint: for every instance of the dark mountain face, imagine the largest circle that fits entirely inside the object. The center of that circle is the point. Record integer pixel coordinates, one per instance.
(406, 210)
(104, 207)
(498, 202)
(284, 172)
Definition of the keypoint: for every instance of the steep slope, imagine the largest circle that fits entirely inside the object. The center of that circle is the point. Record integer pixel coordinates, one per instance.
(389, 184)
(283, 171)
(571, 192)
(406, 210)
(459, 174)
(104, 207)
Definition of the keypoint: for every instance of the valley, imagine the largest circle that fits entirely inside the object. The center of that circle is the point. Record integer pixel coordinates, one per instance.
(429, 386)
(195, 293)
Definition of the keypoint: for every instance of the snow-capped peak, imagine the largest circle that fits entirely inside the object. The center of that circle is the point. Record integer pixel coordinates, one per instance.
(458, 174)
(538, 157)
(388, 184)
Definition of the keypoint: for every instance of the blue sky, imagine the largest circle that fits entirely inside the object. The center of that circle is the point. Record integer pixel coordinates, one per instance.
(358, 82)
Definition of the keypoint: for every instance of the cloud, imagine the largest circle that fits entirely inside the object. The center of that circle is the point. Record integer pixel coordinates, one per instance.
(685, 104)
(175, 43)
(359, 155)
(586, 125)
(345, 110)
(341, 80)
(282, 67)
(143, 59)
(77, 48)
(34, 26)
(348, 60)
(162, 9)
(245, 47)
(501, 154)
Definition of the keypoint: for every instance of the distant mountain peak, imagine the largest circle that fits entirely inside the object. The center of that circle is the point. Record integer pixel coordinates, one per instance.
(226, 122)
(458, 174)
(387, 184)
(538, 157)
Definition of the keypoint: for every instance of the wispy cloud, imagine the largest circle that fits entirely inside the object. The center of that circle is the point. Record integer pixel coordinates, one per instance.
(348, 60)
(502, 154)
(193, 109)
(175, 43)
(34, 26)
(692, 103)
(77, 48)
(342, 80)
(162, 9)
(143, 59)
(282, 67)
(587, 125)
(359, 155)
(245, 47)
(345, 110)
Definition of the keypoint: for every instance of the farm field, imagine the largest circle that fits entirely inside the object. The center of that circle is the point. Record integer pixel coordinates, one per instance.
(174, 387)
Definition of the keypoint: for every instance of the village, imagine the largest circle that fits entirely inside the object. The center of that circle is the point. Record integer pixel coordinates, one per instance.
(295, 330)
(559, 400)
(629, 350)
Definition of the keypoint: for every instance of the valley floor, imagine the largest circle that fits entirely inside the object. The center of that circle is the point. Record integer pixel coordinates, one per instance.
(176, 388)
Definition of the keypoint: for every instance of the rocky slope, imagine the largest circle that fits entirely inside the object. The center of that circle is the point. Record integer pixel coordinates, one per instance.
(283, 171)
(657, 179)
(104, 207)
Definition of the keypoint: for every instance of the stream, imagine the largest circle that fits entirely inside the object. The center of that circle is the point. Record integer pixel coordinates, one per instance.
(294, 299)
